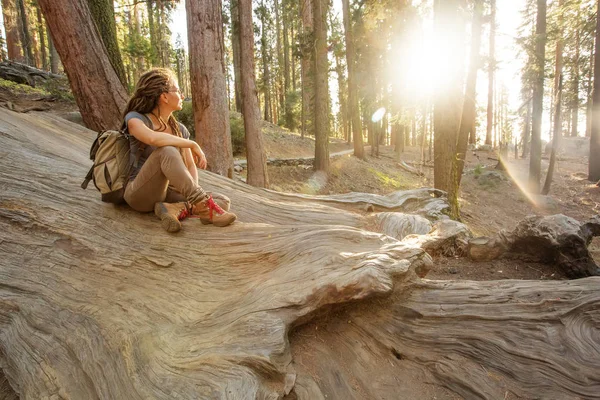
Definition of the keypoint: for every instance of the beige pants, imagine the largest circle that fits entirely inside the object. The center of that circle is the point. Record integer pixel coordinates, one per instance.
(163, 177)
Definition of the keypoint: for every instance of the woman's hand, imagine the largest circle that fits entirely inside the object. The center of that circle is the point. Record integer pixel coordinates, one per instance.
(199, 157)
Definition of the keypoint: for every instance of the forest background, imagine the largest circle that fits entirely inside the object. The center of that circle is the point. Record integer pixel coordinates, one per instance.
(436, 74)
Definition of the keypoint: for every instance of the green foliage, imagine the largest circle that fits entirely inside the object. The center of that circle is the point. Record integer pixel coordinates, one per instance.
(186, 117)
(238, 135)
(293, 110)
(236, 123)
(478, 170)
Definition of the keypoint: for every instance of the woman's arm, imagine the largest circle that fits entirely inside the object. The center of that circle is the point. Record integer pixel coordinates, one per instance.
(150, 137)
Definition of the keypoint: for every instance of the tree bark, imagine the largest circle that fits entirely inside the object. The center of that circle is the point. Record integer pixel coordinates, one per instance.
(526, 130)
(266, 78)
(353, 109)
(558, 88)
(307, 67)
(491, 68)
(535, 162)
(589, 102)
(469, 112)
(99, 93)
(286, 49)
(54, 57)
(557, 135)
(321, 88)
(154, 45)
(103, 13)
(255, 150)
(235, 47)
(11, 27)
(594, 160)
(41, 33)
(207, 74)
(575, 100)
(24, 28)
(448, 24)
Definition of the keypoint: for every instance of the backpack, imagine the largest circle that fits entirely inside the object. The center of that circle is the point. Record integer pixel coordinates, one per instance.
(112, 165)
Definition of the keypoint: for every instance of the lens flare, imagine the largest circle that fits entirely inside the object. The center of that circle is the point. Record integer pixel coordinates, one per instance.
(378, 115)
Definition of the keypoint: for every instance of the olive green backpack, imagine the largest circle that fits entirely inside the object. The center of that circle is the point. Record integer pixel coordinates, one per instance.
(112, 165)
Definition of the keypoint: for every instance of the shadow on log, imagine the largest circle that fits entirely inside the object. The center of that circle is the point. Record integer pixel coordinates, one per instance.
(99, 302)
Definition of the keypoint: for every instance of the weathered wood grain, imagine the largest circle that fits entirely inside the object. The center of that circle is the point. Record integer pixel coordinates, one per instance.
(98, 302)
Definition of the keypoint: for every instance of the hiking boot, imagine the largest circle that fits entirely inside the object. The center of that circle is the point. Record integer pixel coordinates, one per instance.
(210, 212)
(221, 200)
(171, 214)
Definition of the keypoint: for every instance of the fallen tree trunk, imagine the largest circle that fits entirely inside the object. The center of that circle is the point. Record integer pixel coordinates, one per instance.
(98, 301)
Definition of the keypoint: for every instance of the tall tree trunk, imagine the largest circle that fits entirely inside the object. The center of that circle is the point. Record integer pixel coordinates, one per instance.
(575, 105)
(235, 48)
(492, 66)
(321, 69)
(11, 27)
(558, 87)
(535, 161)
(294, 37)
(555, 139)
(469, 112)
(594, 160)
(207, 74)
(339, 69)
(41, 33)
(154, 45)
(448, 25)
(100, 95)
(589, 102)
(24, 28)
(255, 151)
(140, 64)
(353, 109)
(266, 84)
(103, 13)
(286, 47)
(308, 74)
(54, 57)
(527, 130)
(279, 73)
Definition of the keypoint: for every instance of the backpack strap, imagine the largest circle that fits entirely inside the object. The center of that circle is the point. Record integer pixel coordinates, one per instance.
(88, 178)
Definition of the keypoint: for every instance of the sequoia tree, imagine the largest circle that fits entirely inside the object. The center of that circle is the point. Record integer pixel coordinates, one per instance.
(100, 95)
(594, 163)
(469, 112)
(209, 91)
(449, 27)
(353, 111)
(535, 162)
(491, 66)
(321, 71)
(11, 27)
(103, 13)
(255, 151)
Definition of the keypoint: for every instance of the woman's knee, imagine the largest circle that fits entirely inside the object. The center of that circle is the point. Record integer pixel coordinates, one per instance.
(167, 151)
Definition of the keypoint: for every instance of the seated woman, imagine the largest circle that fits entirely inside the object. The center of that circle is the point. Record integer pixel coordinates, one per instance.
(164, 177)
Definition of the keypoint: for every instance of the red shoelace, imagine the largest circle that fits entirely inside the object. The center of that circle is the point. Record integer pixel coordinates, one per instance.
(187, 211)
(213, 206)
(184, 214)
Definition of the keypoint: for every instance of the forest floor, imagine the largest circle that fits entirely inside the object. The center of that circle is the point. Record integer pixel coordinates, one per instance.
(490, 200)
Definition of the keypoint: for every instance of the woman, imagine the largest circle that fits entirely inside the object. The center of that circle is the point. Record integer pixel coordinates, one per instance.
(164, 177)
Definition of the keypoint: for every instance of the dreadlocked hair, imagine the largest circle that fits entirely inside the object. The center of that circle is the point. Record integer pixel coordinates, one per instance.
(148, 89)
